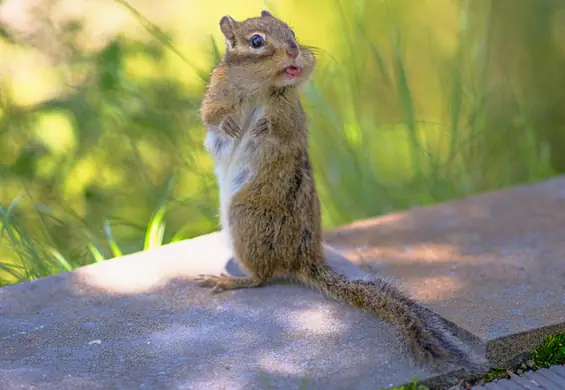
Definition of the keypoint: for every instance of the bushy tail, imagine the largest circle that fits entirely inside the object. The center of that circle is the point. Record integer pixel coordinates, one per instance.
(426, 337)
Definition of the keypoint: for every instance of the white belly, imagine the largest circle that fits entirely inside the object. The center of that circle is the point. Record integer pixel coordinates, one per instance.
(232, 172)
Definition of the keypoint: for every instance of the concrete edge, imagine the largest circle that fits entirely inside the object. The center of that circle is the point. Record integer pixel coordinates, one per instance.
(509, 350)
(452, 202)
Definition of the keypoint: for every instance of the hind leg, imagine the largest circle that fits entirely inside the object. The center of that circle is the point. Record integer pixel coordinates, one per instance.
(226, 282)
(251, 237)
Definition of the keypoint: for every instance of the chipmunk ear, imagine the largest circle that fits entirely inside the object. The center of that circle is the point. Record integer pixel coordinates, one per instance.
(227, 25)
(265, 14)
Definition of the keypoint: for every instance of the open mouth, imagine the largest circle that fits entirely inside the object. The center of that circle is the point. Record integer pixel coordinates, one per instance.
(292, 71)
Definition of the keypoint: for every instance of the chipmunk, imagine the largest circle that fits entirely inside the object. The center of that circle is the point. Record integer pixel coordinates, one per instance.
(269, 207)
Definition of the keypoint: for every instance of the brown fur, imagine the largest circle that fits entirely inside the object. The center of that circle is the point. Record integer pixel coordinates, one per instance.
(273, 217)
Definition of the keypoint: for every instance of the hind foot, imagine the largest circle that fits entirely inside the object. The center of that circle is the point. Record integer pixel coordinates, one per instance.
(226, 282)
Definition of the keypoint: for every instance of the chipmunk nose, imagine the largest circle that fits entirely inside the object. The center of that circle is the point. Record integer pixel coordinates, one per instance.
(292, 50)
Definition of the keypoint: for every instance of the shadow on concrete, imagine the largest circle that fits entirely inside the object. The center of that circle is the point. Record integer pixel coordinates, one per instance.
(122, 325)
(493, 264)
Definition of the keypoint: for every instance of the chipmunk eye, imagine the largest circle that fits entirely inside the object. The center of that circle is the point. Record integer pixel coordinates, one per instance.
(257, 41)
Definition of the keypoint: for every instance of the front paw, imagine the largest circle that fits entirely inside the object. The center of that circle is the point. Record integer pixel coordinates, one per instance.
(262, 126)
(230, 127)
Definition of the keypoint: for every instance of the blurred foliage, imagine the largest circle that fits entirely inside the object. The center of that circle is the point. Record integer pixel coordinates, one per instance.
(412, 103)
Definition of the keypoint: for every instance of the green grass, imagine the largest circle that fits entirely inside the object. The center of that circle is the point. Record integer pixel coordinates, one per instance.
(125, 170)
(412, 386)
(549, 353)
(38, 259)
(496, 373)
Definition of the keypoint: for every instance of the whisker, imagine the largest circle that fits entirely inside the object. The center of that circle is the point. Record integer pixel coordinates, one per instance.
(315, 49)
(319, 50)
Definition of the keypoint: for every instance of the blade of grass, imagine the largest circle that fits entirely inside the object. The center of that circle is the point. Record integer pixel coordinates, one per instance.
(181, 234)
(407, 103)
(155, 230)
(116, 251)
(96, 253)
(11, 269)
(61, 262)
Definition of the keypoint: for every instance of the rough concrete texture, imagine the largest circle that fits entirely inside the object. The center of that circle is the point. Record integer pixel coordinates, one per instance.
(492, 264)
(138, 323)
(552, 378)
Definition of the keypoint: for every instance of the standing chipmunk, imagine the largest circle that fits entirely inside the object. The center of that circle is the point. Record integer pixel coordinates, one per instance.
(269, 208)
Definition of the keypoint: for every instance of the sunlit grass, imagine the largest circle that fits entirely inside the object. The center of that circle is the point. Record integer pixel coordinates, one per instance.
(33, 259)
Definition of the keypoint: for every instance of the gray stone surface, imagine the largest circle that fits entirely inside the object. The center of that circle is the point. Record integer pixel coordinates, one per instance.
(552, 378)
(137, 323)
(493, 264)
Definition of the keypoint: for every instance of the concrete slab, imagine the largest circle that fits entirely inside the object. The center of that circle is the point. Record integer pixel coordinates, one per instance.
(492, 264)
(137, 323)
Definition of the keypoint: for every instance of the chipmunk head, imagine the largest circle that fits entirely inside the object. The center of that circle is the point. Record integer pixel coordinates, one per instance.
(263, 51)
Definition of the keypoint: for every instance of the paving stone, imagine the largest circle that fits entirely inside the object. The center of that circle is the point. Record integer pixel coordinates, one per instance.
(137, 323)
(532, 380)
(493, 264)
(543, 381)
